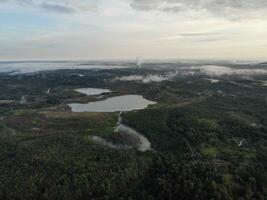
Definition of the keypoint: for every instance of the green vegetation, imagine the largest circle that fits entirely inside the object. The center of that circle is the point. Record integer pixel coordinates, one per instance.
(206, 144)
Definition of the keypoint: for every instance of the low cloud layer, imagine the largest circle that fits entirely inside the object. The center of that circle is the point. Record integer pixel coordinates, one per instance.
(145, 79)
(207, 70)
(34, 67)
(215, 71)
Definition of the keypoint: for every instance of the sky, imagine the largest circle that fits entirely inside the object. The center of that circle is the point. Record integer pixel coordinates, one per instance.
(126, 29)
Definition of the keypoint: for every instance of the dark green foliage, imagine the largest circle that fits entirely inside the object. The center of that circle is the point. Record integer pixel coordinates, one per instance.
(209, 140)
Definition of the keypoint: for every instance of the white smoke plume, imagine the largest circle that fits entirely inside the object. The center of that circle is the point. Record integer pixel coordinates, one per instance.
(139, 62)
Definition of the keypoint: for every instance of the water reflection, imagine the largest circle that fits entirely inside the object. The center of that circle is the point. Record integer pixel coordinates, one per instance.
(114, 104)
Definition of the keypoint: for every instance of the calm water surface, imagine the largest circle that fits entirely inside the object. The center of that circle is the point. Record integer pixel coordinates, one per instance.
(114, 104)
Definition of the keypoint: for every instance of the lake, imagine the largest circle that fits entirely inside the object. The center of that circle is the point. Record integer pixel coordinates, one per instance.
(92, 91)
(114, 104)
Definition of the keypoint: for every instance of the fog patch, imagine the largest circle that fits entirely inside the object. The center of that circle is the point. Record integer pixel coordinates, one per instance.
(92, 91)
(23, 100)
(48, 91)
(135, 139)
(146, 79)
(264, 83)
(212, 80)
(29, 67)
(216, 71)
(101, 141)
(142, 144)
(241, 143)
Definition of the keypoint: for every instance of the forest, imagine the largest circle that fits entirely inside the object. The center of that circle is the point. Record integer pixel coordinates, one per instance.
(208, 140)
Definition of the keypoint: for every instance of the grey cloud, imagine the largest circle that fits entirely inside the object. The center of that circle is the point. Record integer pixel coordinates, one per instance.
(146, 4)
(172, 9)
(216, 7)
(25, 2)
(65, 7)
(18, 2)
(163, 5)
(57, 8)
(204, 36)
(196, 34)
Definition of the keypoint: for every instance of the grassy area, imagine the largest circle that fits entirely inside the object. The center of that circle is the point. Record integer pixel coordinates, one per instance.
(209, 152)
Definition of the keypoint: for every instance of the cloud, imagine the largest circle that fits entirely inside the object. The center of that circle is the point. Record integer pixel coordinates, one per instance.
(146, 4)
(198, 34)
(57, 8)
(212, 80)
(106, 143)
(64, 7)
(34, 67)
(146, 79)
(216, 71)
(234, 8)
